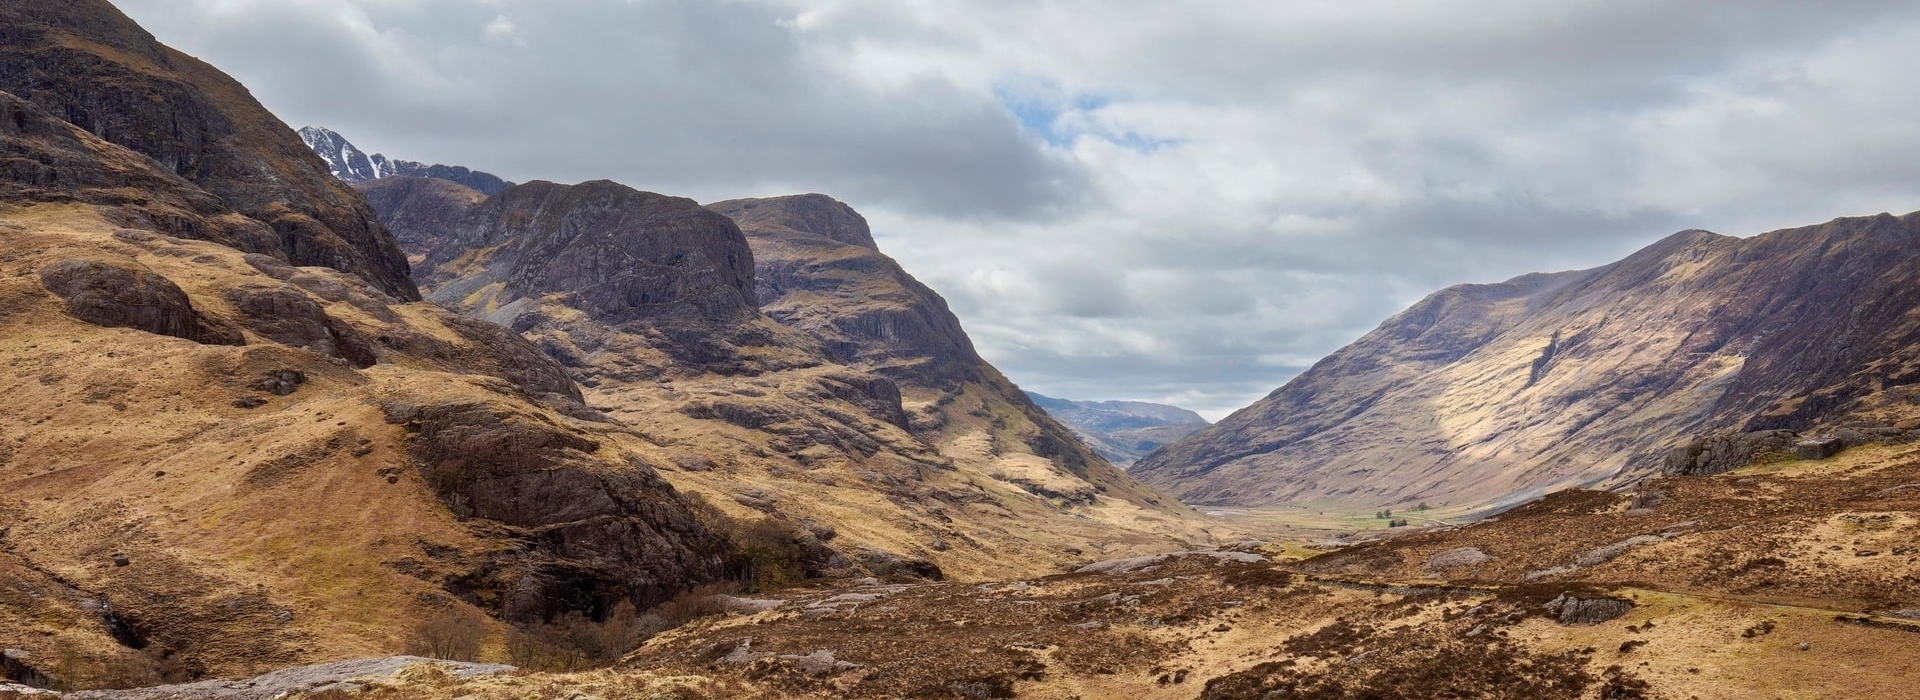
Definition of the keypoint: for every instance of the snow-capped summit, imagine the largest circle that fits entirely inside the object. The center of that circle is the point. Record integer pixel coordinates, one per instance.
(353, 165)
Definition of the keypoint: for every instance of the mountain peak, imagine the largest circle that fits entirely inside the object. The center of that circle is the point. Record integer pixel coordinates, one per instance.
(355, 166)
(815, 214)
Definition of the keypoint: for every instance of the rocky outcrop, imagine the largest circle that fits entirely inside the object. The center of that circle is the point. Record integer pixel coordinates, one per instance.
(291, 318)
(1488, 394)
(1715, 454)
(119, 296)
(611, 529)
(89, 65)
(354, 166)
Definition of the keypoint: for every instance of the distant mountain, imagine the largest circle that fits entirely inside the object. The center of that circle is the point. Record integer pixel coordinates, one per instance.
(351, 164)
(1122, 431)
(1494, 393)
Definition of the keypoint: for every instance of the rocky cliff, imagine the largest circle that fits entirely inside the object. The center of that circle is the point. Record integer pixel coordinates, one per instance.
(1494, 393)
(229, 441)
(829, 393)
(1122, 431)
(352, 165)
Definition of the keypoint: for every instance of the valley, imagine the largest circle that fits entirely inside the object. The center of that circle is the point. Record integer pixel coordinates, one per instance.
(285, 420)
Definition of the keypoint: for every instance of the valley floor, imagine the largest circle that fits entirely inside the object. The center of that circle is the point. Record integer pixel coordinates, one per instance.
(1790, 580)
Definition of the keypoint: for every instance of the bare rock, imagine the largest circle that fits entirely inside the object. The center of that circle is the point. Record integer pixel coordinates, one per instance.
(290, 318)
(1459, 557)
(1818, 448)
(598, 527)
(1591, 611)
(340, 675)
(119, 296)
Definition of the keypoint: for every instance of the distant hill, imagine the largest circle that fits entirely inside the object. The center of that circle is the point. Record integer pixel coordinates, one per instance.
(1122, 431)
(353, 165)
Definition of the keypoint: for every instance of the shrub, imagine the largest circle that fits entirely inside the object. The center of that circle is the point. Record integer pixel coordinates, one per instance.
(575, 641)
(453, 634)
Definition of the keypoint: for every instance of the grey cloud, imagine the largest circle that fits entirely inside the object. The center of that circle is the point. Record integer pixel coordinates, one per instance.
(1324, 164)
(710, 99)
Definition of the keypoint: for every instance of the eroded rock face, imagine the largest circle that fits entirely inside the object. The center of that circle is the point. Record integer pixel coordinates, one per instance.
(123, 297)
(1482, 393)
(93, 67)
(610, 529)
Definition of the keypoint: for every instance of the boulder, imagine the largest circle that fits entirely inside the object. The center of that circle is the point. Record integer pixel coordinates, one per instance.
(1818, 448)
(1456, 558)
(1589, 611)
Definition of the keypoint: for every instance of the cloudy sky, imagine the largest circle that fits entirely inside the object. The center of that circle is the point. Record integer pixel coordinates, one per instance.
(1177, 201)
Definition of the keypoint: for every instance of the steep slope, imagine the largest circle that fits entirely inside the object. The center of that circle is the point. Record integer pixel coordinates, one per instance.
(1122, 431)
(820, 272)
(1495, 393)
(213, 461)
(353, 165)
(86, 62)
(860, 419)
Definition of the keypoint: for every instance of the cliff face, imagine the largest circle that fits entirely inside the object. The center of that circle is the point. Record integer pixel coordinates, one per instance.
(215, 457)
(621, 255)
(86, 63)
(850, 405)
(1490, 393)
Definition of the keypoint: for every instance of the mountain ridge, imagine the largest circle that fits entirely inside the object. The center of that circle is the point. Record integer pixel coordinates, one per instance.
(1485, 393)
(1122, 431)
(352, 165)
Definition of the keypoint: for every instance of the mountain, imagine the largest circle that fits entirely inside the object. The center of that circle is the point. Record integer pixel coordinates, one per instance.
(94, 68)
(231, 441)
(1122, 431)
(353, 165)
(1490, 394)
(795, 371)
